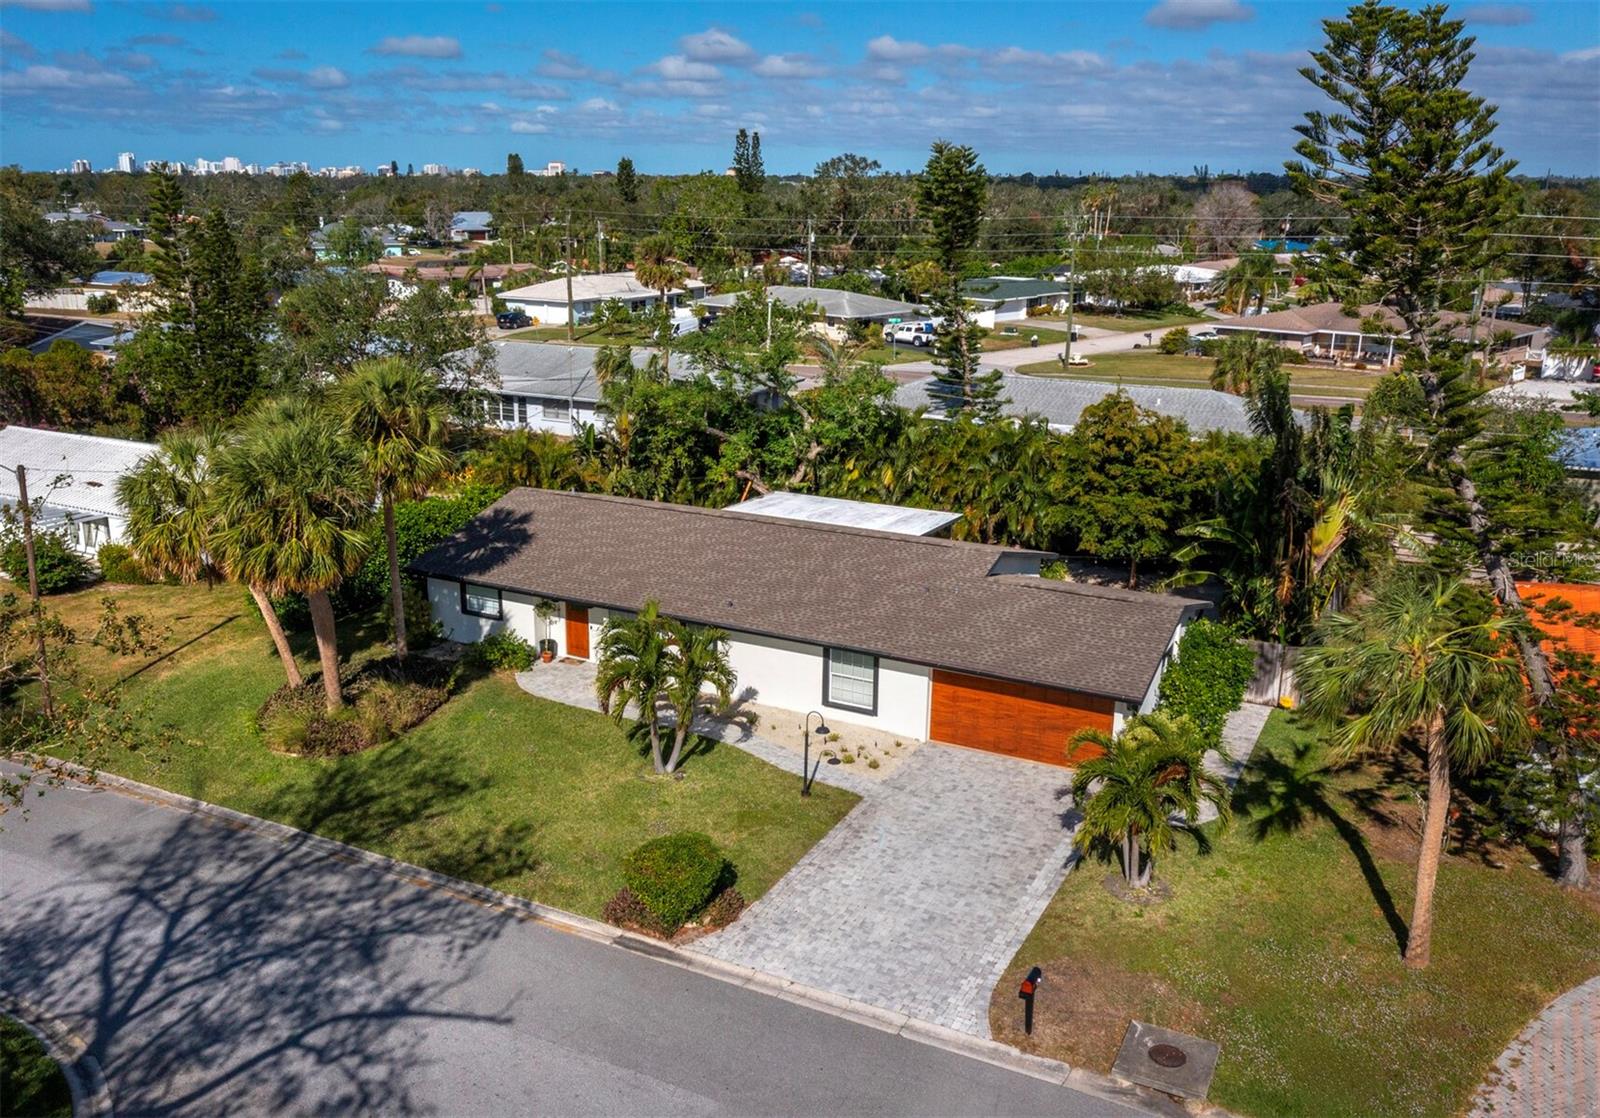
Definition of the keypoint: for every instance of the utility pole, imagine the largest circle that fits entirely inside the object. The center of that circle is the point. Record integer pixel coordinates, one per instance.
(1072, 288)
(811, 239)
(600, 242)
(33, 586)
(567, 246)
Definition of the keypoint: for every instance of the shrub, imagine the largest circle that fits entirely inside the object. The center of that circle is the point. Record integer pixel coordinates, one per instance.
(503, 651)
(386, 698)
(117, 564)
(418, 526)
(103, 303)
(1208, 679)
(58, 566)
(1175, 340)
(627, 911)
(724, 908)
(675, 875)
(286, 730)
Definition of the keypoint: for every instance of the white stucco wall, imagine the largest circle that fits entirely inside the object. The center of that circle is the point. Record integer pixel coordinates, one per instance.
(788, 674)
(444, 600)
(579, 414)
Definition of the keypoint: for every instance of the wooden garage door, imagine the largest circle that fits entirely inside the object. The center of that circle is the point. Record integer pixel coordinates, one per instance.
(578, 631)
(1018, 719)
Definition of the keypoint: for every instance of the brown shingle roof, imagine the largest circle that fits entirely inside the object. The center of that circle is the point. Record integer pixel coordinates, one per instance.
(1312, 318)
(922, 600)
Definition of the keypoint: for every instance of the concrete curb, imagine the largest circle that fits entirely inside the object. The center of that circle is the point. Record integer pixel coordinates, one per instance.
(91, 1098)
(824, 1001)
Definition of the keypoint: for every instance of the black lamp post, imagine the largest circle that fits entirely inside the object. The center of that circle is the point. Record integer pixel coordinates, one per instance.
(807, 773)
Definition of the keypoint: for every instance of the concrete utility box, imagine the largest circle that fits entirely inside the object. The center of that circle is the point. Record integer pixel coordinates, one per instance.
(1167, 1061)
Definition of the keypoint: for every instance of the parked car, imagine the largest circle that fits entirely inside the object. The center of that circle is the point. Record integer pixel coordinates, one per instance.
(512, 320)
(1204, 336)
(919, 334)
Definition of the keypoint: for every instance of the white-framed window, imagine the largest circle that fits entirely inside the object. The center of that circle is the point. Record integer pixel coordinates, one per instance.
(512, 410)
(850, 680)
(555, 409)
(480, 601)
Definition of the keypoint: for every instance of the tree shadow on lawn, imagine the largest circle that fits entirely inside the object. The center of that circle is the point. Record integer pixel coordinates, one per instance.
(696, 746)
(398, 793)
(1285, 795)
(216, 972)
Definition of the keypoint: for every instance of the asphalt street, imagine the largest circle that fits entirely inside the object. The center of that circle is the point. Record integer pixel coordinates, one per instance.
(213, 970)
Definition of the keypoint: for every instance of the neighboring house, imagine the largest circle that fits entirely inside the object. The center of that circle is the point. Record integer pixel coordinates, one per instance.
(546, 303)
(76, 478)
(1010, 298)
(838, 308)
(403, 278)
(472, 225)
(919, 637)
(96, 337)
(103, 229)
(546, 386)
(1061, 402)
(1325, 330)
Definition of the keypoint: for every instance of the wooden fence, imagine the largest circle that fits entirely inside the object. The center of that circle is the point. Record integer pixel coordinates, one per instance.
(1274, 676)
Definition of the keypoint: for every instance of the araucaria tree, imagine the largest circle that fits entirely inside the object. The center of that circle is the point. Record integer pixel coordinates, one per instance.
(951, 194)
(1142, 779)
(293, 500)
(1407, 154)
(397, 417)
(1414, 664)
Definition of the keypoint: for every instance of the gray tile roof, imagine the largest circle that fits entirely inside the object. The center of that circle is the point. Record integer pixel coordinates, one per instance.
(89, 466)
(833, 304)
(1061, 401)
(553, 369)
(912, 598)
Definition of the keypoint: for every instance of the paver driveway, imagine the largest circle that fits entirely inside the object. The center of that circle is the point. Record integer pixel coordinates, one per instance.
(1553, 1069)
(920, 897)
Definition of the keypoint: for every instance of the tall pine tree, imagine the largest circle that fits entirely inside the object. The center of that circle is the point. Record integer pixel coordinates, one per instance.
(627, 181)
(1407, 153)
(951, 195)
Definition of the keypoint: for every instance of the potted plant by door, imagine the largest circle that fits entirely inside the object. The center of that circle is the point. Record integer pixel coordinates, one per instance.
(545, 610)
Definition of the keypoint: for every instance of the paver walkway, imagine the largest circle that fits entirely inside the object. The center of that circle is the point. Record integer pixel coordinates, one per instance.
(1553, 1069)
(918, 899)
(1239, 735)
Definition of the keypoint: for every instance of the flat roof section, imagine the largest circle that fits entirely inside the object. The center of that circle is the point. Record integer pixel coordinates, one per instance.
(899, 519)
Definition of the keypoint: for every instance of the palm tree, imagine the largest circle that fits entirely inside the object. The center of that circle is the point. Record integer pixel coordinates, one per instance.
(537, 459)
(1147, 774)
(171, 522)
(1243, 360)
(293, 498)
(396, 414)
(1413, 663)
(698, 659)
(634, 667)
(655, 266)
(1252, 279)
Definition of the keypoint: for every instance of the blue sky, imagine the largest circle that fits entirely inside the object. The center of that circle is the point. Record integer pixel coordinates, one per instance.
(1107, 86)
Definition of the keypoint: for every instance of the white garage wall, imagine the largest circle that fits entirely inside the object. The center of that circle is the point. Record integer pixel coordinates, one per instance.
(788, 674)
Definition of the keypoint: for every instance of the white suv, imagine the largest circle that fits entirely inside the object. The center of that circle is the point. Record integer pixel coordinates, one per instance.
(919, 334)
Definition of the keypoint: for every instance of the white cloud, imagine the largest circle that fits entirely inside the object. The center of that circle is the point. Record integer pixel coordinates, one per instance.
(326, 77)
(886, 48)
(41, 78)
(599, 105)
(418, 46)
(16, 44)
(1193, 15)
(48, 5)
(1588, 54)
(528, 127)
(716, 45)
(787, 66)
(675, 67)
(1494, 15)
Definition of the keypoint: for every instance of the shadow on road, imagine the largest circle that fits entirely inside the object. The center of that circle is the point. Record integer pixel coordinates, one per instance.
(225, 974)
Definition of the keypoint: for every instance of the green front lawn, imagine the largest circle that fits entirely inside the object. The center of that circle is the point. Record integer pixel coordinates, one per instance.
(1281, 945)
(1150, 367)
(498, 787)
(31, 1082)
(1138, 321)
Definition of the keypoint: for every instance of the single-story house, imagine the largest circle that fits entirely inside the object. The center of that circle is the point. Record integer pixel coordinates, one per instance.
(837, 308)
(814, 509)
(1010, 298)
(404, 277)
(94, 336)
(547, 386)
(929, 638)
(102, 228)
(1580, 454)
(472, 225)
(546, 303)
(1325, 330)
(1061, 402)
(75, 476)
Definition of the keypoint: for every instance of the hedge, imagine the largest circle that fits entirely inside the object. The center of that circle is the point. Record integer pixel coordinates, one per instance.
(1208, 679)
(117, 564)
(675, 875)
(57, 565)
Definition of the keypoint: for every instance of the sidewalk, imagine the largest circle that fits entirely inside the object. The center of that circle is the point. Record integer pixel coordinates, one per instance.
(1553, 1069)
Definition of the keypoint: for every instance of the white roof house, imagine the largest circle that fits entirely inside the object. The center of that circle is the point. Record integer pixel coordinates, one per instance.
(546, 302)
(547, 386)
(75, 476)
(836, 306)
(900, 519)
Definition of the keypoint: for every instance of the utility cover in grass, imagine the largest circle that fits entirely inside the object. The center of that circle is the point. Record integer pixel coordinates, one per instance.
(1168, 1061)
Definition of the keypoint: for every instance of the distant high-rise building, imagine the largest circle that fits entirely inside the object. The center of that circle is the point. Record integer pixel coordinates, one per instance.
(125, 162)
(435, 169)
(232, 165)
(554, 169)
(152, 165)
(81, 166)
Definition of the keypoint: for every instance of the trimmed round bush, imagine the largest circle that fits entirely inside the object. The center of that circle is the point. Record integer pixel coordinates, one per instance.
(503, 651)
(675, 875)
(117, 564)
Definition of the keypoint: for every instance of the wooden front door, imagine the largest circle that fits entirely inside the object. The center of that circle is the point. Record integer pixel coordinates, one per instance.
(578, 631)
(1017, 719)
